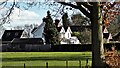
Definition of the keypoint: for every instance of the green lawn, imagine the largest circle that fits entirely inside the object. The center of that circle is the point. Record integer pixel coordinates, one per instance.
(40, 58)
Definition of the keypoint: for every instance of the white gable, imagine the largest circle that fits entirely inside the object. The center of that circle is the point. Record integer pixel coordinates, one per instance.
(68, 33)
(38, 33)
(110, 36)
(105, 30)
(62, 33)
(62, 30)
(69, 30)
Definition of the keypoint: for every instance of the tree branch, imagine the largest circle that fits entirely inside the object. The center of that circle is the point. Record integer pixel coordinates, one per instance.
(84, 11)
(6, 18)
(3, 2)
(85, 4)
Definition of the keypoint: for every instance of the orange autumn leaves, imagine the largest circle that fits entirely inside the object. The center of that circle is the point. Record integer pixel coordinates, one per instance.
(109, 12)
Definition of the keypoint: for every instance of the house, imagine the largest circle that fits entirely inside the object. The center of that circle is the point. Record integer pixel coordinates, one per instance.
(107, 36)
(8, 36)
(12, 41)
(38, 31)
(65, 36)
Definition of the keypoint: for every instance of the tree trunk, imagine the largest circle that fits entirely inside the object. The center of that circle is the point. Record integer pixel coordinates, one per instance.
(97, 36)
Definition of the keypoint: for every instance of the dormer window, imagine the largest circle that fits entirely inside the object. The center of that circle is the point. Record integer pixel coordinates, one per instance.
(8, 34)
(16, 34)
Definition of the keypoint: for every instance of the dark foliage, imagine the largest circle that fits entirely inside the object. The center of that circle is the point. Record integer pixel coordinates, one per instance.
(50, 30)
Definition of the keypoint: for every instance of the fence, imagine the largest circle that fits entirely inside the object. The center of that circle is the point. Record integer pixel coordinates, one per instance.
(66, 65)
(58, 48)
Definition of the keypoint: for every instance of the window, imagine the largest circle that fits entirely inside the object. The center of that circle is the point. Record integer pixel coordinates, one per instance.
(8, 34)
(16, 33)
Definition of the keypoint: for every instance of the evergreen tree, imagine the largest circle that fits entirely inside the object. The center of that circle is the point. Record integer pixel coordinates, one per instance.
(50, 30)
(65, 20)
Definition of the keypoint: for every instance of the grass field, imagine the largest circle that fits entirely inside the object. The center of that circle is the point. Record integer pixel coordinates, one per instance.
(40, 58)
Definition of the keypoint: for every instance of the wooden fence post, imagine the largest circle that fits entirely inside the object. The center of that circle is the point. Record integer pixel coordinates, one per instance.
(46, 64)
(79, 63)
(87, 63)
(24, 65)
(66, 64)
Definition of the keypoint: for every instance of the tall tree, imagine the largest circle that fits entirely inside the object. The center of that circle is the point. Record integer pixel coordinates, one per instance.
(65, 20)
(50, 31)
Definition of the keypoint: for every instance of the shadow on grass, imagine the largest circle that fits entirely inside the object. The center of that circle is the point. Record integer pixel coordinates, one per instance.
(45, 58)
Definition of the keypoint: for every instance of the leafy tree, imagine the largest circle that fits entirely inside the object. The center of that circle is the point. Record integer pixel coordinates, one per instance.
(84, 37)
(79, 20)
(65, 20)
(50, 31)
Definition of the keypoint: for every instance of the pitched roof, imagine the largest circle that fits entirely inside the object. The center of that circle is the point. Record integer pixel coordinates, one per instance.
(33, 29)
(27, 41)
(74, 28)
(69, 30)
(9, 35)
(62, 30)
(105, 30)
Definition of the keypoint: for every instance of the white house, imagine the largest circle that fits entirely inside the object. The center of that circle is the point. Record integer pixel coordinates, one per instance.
(106, 35)
(66, 37)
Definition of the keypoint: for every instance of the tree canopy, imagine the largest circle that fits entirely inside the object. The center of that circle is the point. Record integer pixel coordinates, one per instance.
(50, 30)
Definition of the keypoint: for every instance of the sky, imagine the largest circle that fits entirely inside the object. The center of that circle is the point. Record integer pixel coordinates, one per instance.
(33, 15)
(21, 16)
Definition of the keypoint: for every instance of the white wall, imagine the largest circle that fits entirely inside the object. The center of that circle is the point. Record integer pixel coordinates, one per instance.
(38, 33)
